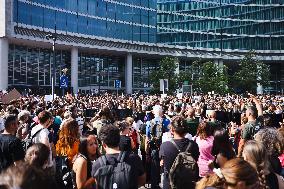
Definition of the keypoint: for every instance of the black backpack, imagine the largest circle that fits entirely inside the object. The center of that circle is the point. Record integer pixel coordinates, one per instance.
(114, 176)
(184, 171)
(63, 174)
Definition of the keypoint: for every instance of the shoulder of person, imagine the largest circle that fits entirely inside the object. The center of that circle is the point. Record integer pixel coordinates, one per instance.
(131, 155)
(44, 131)
(13, 139)
(79, 161)
(166, 144)
(98, 163)
(248, 125)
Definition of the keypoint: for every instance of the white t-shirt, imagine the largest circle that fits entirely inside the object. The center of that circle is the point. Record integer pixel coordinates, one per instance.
(80, 122)
(137, 125)
(40, 138)
(2, 124)
(167, 137)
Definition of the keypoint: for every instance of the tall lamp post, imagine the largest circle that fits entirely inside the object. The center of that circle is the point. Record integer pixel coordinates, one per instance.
(53, 38)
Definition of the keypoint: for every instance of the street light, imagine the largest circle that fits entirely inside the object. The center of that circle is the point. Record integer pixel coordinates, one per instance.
(53, 38)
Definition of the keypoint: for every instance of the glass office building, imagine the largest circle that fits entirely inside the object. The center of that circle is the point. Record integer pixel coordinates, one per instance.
(125, 21)
(222, 24)
(101, 41)
(100, 70)
(131, 20)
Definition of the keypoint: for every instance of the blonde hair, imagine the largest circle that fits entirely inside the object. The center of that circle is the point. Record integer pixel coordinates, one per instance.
(129, 120)
(210, 180)
(255, 153)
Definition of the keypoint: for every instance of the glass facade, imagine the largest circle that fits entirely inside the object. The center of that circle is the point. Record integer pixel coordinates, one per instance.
(31, 66)
(100, 70)
(222, 24)
(142, 68)
(132, 20)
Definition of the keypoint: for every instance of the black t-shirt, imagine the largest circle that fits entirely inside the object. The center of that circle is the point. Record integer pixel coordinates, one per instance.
(11, 150)
(125, 143)
(272, 181)
(132, 159)
(168, 152)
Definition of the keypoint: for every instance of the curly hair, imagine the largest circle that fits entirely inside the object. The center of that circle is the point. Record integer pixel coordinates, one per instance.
(68, 142)
(272, 140)
(255, 153)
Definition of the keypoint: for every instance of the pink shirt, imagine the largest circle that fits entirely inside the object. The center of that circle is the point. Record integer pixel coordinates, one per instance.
(281, 158)
(205, 147)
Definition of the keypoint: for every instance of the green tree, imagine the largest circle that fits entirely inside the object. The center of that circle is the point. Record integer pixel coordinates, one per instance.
(166, 70)
(251, 71)
(191, 75)
(213, 78)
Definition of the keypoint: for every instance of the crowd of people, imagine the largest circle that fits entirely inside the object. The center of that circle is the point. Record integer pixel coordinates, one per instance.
(152, 141)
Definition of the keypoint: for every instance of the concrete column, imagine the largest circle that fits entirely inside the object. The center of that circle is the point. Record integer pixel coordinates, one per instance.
(2, 18)
(259, 87)
(177, 68)
(128, 74)
(74, 69)
(219, 63)
(4, 50)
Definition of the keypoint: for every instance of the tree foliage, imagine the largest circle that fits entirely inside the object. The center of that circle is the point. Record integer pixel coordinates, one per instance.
(191, 74)
(166, 70)
(208, 76)
(213, 78)
(251, 71)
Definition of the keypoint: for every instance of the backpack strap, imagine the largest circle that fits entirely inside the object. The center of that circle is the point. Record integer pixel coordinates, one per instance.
(34, 135)
(121, 157)
(103, 160)
(188, 146)
(173, 142)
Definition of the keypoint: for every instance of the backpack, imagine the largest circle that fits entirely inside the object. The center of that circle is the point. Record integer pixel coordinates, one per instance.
(156, 130)
(254, 128)
(114, 176)
(184, 171)
(143, 128)
(63, 173)
(28, 142)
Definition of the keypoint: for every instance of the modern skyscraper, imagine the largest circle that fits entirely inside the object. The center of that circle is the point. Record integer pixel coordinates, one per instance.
(225, 26)
(101, 41)
(222, 24)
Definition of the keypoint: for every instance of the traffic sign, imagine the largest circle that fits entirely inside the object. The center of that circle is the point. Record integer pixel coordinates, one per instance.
(186, 82)
(63, 81)
(117, 84)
